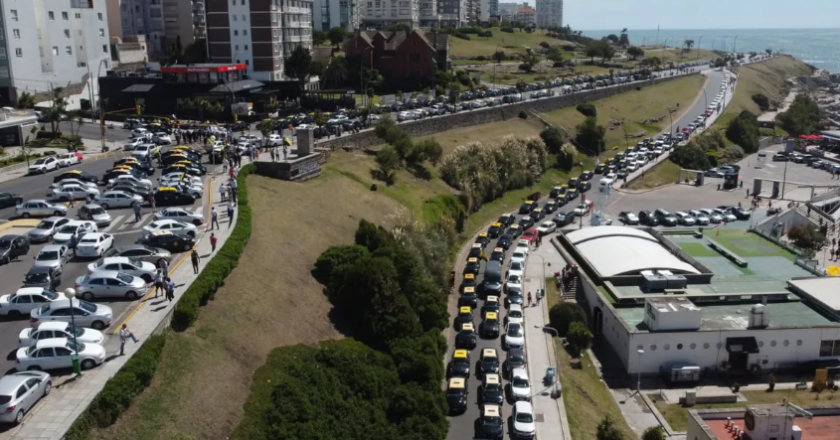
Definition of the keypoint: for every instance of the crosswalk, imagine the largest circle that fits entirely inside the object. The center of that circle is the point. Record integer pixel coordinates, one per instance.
(124, 223)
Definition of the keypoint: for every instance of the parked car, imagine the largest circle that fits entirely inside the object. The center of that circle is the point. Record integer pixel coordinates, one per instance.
(85, 314)
(524, 423)
(71, 232)
(40, 276)
(167, 240)
(67, 159)
(118, 199)
(94, 244)
(136, 268)
(12, 247)
(26, 299)
(44, 165)
(49, 330)
(139, 252)
(19, 392)
(174, 226)
(8, 200)
(180, 215)
(40, 208)
(110, 284)
(628, 218)
(54, 256)
(72, 191)
(57, 353)
(95, 213)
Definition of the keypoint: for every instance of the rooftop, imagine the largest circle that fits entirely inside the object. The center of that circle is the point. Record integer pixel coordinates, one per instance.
(823, 426)
(823, 291)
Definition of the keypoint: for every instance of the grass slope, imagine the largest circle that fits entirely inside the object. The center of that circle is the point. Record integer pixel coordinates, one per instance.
(516, 42)
(665, 173)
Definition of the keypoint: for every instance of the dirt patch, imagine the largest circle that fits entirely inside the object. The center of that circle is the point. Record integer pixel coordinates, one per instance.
(269, 300)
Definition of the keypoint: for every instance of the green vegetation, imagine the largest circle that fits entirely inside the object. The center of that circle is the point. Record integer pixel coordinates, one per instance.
(746, 244)
(803, 116)
(691, 156)
(590, 136)
(806, 237)
(698, 250)
(743, 131)
(665, 173)
(562, 315)
(402, 151)
(510, 43)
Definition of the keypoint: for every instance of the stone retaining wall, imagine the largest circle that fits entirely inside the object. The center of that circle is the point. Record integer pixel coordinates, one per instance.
(486, 115)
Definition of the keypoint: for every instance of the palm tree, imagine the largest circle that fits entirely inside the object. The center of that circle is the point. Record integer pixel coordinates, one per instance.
(689, 44)
(26, 100)
(58, 109)
(336, 72)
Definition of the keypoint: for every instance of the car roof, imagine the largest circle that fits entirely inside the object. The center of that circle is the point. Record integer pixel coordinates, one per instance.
(51, 247)
(515, 306)
(102, 274)
(93, 235)
(491, 411)
(52, 325)
(523, 406)
(10, 382)
(109, 260)
(489, 352)
(29, 291)
(516, 352)
(520, 371)
(52, 342)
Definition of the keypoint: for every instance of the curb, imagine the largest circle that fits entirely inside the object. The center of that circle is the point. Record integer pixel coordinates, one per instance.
(25, 223)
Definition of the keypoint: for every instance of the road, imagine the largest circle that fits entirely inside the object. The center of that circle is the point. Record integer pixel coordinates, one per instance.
(123, 227)
(90, 130)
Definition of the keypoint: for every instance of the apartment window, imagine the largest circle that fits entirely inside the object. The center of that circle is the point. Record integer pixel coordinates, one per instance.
(79, 14)
(274, 18)
(14, 14)
(247, 62)
(65, 16)
(245, 32)
(55, 50)
(99, 16)
(236, 47)
(244, 17)
(51, 14)
(234, 17)
(4, 72)
(243, 2)
(235, 33)
(102, 32)
(67, 33)
(16, 33)
(81, 64)
(104, 48)
(276, 49)
(276, 33)
(2, 53)
(18, 52)
(154, 13)
(246, 47)
(68, 50)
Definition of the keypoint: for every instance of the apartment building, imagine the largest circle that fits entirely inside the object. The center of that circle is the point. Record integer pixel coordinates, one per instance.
(382, 14)
(549, 13)
(488, 9)
(327, 14)
(258, 33)
(429, 16)
(526, 14)
(507, 11)
(51, 43)
(162, 22)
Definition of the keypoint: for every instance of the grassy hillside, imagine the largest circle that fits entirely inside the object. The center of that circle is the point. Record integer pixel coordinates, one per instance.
(516, 42)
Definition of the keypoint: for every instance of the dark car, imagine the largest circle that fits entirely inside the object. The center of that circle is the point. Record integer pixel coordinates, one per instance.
(489, 361)
(505, 240)
(550, 206)
(169, 196)
(648, 219)
(491, 304)
(459, 365)
(8, 200)
(741, 213)
(780, 157)
(498, 254)
(665, 218)
(526, 223)
(527, 207)
(482, 239)
(12, 247)
(628, 218)
(167, 240)
(76, 174)
(558, 192)
(514, 296)
(42, 276)
(599, 169)
(537, 215)
(468, 298)
(132, 190)
(564, 218)
(456, 395)
(584, 186)
(466, 338)
(490, 325)
(586, 175)
(492, 392)
(506, 220)
(515, 359)
(491, 423)
(473, 266)
(495, 230)
(114, 173)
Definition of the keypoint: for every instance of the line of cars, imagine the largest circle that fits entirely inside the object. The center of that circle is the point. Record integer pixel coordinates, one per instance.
(625, 162)
(810, 160)
(690, 217)
(46, 164)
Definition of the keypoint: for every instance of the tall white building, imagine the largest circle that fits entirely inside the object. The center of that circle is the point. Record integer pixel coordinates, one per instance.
(260, 34)
(51, 43)
(162, 22)
(429, 16)
(327, 14)
(549, 13)
(382, 14)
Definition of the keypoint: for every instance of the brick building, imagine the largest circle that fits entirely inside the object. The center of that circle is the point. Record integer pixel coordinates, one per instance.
(402, 57)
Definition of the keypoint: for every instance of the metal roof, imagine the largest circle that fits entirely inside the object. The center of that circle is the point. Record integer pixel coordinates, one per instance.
(138, 88)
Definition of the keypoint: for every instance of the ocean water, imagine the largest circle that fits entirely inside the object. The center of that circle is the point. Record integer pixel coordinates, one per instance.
(817, 47)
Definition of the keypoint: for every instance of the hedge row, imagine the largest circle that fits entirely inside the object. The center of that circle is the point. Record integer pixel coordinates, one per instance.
(213, 276)
(20, 158)
(120, 391)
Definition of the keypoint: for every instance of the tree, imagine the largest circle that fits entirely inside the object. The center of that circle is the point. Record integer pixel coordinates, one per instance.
(319, 37)
(58, 108)
(299, 66)
(74, 118)
(743, 131)
(336, 72)
(613, 38)
(562, 315)
(196, 52)
(499, 56)
(691, 157)
(593, 50)
(587, 109)
(316, 68)
(762, 101)
(590, 136)
(553, 139)
(654, 433)
(806, 237)
(635, 52)
(607, 430)
(319, 118)
(689, 43)
(265, 126)
(336, 35)
(579, 335)
(26, 100)
(607, 51)
(388, 161)
(566, 157)
(803, 116)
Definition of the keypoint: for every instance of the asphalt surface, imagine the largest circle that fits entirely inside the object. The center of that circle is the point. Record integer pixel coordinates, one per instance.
(91, 130)
(123, 228)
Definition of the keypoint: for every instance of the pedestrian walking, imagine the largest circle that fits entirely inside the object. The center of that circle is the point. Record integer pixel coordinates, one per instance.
(530, 300)
(540, 294)
(195, 260)
(125, 333)
(158, 282)
(233, 186)
(272, 155)
(212, 242)
(152, 201)
(136, 212)
(214, 218)
(230, 214)
(164, 266)
(223, 191)
(170, 289)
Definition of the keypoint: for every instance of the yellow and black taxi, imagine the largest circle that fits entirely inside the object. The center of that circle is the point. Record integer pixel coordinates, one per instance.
(495, 230)
(492, 392)
(488, 363)
(116, 172)
(491, 304)
(490, 325)
(586, 175)
(527, 207)
(475, 251)
(473, 266)
(468, 281)
(466, 338)
(468, 297)
(174, 158)
(526, 222)
(573, 182)
(126, 161)
(550, 206)
(459, 365)
(167, 240)
(465, 316)
(76, 174)
(456, 395)
(171, 196)
(505, 240)
(537, 214)
(584, 186)
(132, 162)
(558, 192)
(514, 230)
(506, 220)
(191, 170)
(491, 424)
(572, 194)
(498, 254)
(482, 239)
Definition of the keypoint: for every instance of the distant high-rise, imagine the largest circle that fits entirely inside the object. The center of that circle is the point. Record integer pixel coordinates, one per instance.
(549, 13)
(162, 22)
(382, 14)
(327, 14)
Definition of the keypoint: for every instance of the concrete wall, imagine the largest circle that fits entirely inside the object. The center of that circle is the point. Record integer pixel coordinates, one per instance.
(786, 219)
(469, 118)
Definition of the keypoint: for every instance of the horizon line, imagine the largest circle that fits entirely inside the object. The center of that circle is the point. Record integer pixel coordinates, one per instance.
(714, 29)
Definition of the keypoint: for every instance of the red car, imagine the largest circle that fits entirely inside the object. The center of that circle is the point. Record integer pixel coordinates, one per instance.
(530, 235)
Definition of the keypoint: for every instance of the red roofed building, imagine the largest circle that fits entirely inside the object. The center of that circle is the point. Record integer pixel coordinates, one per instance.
(402, 57)
(526, 15)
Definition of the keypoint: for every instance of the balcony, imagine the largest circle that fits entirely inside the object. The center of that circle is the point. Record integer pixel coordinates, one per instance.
(294, 24)
(295, 10)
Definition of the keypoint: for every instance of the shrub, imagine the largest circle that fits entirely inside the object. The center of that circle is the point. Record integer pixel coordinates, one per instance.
(486, 34)
(562, 315)
(526, 67)
(523, 114)
(762, 101)
(569, 47)
(509, 30)
(553, 139)
(743, 131)
(213, 276)
(691, 157)
(587, 109)
(544, 45)
(120, 390)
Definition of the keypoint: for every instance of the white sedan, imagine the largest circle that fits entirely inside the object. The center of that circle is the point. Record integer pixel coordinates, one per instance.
(119, 199)
(518, 255)
(43, 165)
(128, 177)
(177, 177)
(135, 268)
(52, 354)
(514, 281)
(180, 215)
(546, 228)
(609, 179)
(714, 216)
(25, 299)
(61, 183)
(67, 159)
(94, 244)
(173, 226)
(514, 335)
(73, 191)
(516, 268)
(76, 227)
(51, 330)
(520, 385)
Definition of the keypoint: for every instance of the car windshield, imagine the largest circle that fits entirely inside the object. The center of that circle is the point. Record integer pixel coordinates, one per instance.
(75, 346)
(89, 240)
(5, 244)
(96, 211)
(49, 294)
(90, 307)
(524, 418)
(36, 278)
(514, 279)
(69, 229)
(516, 265)
(514, 314)
(520, 382)
(515, 331)
(46, 224)
(40, 161)
(125, 278)
(75, 330)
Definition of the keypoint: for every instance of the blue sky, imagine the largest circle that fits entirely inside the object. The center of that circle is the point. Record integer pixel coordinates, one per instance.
(700, 14)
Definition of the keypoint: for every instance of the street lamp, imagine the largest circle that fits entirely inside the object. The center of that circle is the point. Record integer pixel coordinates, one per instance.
(638, 377)
(362, 73)
(70, 293)
(101, 108)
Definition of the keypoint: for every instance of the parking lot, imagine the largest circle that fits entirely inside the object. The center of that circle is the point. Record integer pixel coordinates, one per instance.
(123, 227)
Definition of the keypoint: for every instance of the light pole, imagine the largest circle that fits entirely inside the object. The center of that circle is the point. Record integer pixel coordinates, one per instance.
(99, 95)
(638, 377)
(70, 293)
(735, 46)
(713, 43)
(362, 72)
(699, 41)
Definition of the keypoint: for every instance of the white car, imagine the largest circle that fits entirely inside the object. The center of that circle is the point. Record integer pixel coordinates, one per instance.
(76, 227)
(180, 215)
(72, 191)
(513, 281)
(632, 166)
(524, 423)
(129, 178)
(67, 159)
(251, 139)
(143, 150)
(139, 131)
(119, 199)
(546, 228)
(22, 302)
(51, 330)
(40, 208)
(44, 165)
(61, 183)
(56, 353)
(523, 246)
(609, 179)
(86, 314)
(45, 230)
(275, 139)
(728, 216)
(514, 335)
(516, 268)
(520, 386)
(162, 139)
(135, 268)
(174, 226)
(193, 180)
(582, 209)
(94, 244)
(701, 218)
(519, 255)
(714, 216)
(685, 218)
(515, 314)
(133, 143)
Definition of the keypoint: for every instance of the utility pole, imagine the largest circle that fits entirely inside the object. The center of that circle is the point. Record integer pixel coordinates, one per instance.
(698, 46)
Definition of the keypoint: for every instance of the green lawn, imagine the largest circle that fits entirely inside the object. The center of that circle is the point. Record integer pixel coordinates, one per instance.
(664, 174)
(516, 42)
(698, 250)
(678, 55)
(746, 244)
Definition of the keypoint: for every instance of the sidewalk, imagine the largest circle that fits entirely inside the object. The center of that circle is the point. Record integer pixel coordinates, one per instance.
(539, 346)
(54, 415)
(92, 151)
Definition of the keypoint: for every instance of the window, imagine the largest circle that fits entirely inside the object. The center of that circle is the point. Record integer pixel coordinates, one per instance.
(154, 13)
(234, 17)
(414, 57)
(236, 47)
(16, 33)
(52, 15)
(69, 50)
(2, 53)
(679, 346)
(245, 32)
(65, 16)
(653, 347)
(14, 14)
(99, 16)
(244, 17)
(79, 14)
(830, 348)
(235, 33)
(4, 72)
(81, 64)
(104, 48)
(246, 47)
(18, 52)
(67, 33)
(55, 50)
